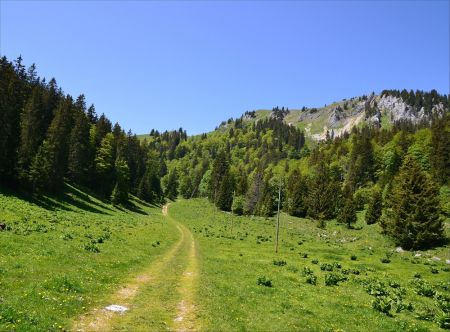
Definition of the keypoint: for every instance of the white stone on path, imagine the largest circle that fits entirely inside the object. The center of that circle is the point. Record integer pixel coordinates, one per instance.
(399, 249)
(116, 308)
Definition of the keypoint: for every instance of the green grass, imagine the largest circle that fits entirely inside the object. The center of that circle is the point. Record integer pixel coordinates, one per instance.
(62, 256)
(232, 262)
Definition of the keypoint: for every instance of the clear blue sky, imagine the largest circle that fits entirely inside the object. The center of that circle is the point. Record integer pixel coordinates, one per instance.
(163, 65)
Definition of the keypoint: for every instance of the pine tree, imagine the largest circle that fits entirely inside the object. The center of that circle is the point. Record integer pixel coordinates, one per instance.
(172, 185)
(120, 191)
(220, 167)
(79, 150)
(149, 188)
(225, 193)
(347, 213)
(297, 192)
(412, 215)
(104, 166)
(32, 129)
(440, 149)
(322, 193)
(50, 163)
(375, 207)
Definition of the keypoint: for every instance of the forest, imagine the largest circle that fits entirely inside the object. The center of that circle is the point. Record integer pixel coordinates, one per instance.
(400, 172)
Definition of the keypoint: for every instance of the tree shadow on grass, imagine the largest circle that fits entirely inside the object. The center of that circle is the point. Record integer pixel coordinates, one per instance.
(64, 201)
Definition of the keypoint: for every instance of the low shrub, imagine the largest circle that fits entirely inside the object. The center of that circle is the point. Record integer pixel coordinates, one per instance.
(279, 262)
(332, 279)
(263, 281)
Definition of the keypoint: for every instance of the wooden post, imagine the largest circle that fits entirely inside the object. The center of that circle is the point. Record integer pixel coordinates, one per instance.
(278, 219)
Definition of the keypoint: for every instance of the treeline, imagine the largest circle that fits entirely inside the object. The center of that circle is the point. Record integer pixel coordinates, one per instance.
(242, 167)
(47, 138)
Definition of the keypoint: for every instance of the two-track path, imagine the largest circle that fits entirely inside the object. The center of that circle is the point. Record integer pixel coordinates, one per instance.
(161, 297)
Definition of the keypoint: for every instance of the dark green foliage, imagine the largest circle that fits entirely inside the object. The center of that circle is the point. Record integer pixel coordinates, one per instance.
(279, 262)
(79, 162)
(322, 193)
(104, 165)
(332, 279)
(264, 281)
(225, 193)
(50, 163)
(172, 185)
(220, 169)
(440, 149)
(238, 205)
(121, 189)
(149, 188)
(347, 213)
(297, 193)
(412, 216)
(375, 207)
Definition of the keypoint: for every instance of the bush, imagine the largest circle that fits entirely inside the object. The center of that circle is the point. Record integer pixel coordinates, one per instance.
(385, 260)
(315, 261)
(310, 277)
(353, 257)
(263, 281)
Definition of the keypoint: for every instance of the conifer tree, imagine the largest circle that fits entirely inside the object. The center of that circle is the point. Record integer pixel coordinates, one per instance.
(120, 191)
(347, 213)
(220, 167)
(225, 193)
(104, 165)
(297, 192)
(375, 207)
(149, 188)
(412, 215)
(322, 193)
(32, 129)
(50, 163)
(440, 149)
(172, 185)
(79, 150)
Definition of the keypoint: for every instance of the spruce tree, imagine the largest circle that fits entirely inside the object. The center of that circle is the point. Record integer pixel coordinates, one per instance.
(120, 191)
(297, 192)
(172, 185)
(32, 129)
(50, 163)
(375, 207)
(412, 215)
(104, 166)
(79, 150)
(440, 149)
(347, 213)
(225, 193)
(322, 193)
(220, 167)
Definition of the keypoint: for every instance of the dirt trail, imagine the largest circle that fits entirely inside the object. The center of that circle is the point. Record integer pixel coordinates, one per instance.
(100, 319)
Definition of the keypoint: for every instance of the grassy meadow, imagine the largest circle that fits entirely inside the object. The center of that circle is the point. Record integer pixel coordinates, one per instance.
(237, 253)
(61, 256)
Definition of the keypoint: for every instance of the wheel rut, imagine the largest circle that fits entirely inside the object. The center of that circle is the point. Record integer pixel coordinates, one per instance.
(168, 287)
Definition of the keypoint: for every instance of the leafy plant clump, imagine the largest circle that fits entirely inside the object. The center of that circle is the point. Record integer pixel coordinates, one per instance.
(332, 279)
(264, 281)
(279, 262)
